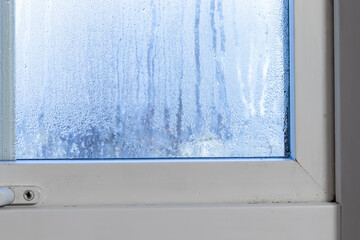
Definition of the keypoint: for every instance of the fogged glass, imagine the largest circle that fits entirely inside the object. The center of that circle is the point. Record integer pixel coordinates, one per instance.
(151, 78)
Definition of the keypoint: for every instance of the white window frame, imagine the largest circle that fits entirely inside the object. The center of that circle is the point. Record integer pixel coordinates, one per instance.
(308, 178)
(90, 200)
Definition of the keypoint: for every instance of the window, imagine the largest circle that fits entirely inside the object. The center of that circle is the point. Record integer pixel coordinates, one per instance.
(151, 79)
(85, 198)
(139, 181)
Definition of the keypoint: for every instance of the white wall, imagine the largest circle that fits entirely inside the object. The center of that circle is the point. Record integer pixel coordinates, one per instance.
(347, 107)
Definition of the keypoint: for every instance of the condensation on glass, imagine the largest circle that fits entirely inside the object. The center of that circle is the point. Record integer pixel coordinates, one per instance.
(151, 79)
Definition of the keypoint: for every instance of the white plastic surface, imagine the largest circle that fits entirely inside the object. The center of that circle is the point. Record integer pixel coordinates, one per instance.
(113, 183)
(216, 222)
(7, 196)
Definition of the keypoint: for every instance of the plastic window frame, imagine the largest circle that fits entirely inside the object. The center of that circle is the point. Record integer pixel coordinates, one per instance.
(307, 178)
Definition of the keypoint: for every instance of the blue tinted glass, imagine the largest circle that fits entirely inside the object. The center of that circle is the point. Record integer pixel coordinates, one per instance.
(151, 78)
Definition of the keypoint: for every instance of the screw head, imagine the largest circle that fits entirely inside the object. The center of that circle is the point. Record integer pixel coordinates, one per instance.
(28, 195)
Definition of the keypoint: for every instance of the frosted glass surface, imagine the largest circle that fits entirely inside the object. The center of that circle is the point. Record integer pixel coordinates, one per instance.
(151, 78)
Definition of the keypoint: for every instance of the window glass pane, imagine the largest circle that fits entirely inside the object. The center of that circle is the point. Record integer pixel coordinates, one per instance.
(151, 78)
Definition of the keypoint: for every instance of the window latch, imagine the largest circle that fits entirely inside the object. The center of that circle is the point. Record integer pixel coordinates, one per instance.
(19, 195)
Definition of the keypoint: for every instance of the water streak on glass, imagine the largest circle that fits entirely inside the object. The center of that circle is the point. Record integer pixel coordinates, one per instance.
(151, 78)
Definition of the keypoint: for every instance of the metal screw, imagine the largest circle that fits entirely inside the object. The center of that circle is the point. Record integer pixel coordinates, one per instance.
(28, 195)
